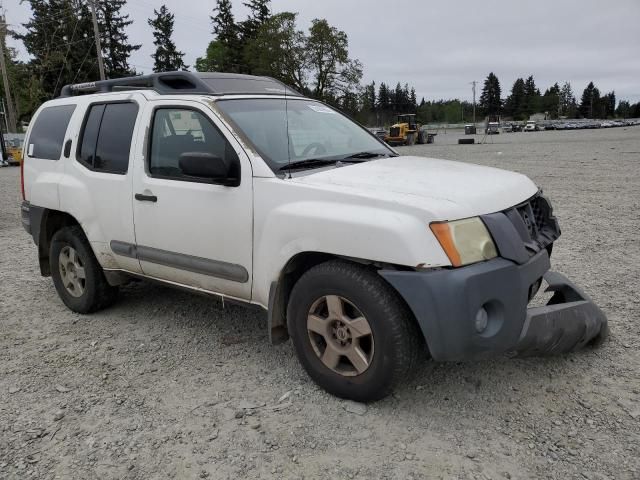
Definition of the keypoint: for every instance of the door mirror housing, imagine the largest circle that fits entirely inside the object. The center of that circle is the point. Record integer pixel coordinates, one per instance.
(221, 171)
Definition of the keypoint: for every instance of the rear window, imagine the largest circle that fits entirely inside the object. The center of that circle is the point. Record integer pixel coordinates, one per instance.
(106, 137)
(47, 134)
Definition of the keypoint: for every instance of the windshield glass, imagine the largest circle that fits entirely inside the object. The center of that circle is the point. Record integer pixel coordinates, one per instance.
(315, 131)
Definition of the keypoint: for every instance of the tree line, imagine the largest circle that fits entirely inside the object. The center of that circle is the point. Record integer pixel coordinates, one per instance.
(59, 38)
(557, 101)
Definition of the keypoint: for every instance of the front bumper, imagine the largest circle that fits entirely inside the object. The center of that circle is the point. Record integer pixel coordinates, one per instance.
(445, 302)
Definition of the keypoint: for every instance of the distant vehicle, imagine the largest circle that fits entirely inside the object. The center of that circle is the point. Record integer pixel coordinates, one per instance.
(507, 128)
(531, 126)
(493, 128)
(407, 131)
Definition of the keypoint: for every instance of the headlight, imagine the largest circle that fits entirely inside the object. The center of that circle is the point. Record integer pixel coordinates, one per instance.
(465, 241)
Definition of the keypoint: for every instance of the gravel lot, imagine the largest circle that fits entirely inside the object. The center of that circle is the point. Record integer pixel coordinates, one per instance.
(171, 385)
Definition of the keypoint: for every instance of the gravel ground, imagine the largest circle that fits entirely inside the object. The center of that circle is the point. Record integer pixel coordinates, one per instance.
(171, 385)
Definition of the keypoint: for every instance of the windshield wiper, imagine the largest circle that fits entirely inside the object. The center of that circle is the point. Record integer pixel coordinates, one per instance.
(365, 155)
(309, 162)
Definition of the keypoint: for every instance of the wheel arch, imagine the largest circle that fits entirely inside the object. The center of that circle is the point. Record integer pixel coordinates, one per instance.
(296, 266)
(50, 222)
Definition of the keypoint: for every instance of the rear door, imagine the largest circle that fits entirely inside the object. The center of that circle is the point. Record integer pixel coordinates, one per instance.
(189, 230)
(97, 182)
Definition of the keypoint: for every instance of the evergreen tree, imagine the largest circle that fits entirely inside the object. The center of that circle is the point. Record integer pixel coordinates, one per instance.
(608, 105)
(115, 42)
(531, 97)
(490, 102)
(551, 100)
(260, 11)
(515, 103)
(369, 97)
(624, 109)
(227, 36)
(413, 101)
(383, 97)
(589, 101)
(59, 38)
(567, 101)
(166, 58)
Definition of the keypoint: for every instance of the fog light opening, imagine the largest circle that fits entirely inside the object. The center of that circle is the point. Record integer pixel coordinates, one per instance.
(482, 320)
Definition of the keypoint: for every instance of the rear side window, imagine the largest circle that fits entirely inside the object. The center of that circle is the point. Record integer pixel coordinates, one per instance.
(106, 137)
(47, 134)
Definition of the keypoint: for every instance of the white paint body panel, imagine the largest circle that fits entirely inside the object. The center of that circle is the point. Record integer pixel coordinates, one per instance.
(196, 219)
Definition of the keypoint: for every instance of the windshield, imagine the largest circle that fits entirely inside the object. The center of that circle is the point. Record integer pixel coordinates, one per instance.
(315, 131)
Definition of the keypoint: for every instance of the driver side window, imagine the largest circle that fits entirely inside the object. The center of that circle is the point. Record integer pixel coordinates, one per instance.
(176, 131)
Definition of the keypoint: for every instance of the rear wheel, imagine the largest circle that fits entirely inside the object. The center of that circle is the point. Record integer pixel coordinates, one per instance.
(352, 333)
(76, 274)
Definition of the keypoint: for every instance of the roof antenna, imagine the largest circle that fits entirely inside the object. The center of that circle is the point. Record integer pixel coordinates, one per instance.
(286, 116)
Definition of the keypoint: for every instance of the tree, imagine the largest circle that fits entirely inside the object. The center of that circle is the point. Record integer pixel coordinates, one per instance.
(608, 105)
(551, 100)
(531, 97)
(59, 39)
(515, 103)
(567, 101)
(227, 34)
(382, 103)
(589, 101)
(279, 51)
(490, 101)
(624, 109)
(166, 58)
(116, 48)
(260, 11)
(331, 69)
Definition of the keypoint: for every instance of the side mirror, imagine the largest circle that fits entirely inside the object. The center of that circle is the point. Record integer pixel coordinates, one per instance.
(208, 166)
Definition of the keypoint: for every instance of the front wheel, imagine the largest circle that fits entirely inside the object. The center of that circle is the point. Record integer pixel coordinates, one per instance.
(352, 333)
(76, 273)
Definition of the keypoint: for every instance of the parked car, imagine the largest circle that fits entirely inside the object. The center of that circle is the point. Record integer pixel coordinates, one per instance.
(531, 126)
(365, 258)
(492, 128)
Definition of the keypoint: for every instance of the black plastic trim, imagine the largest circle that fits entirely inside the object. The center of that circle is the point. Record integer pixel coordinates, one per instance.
(204, 266)
(445, 303)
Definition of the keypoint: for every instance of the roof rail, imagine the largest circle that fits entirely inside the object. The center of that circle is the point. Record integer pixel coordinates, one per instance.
(201, 83)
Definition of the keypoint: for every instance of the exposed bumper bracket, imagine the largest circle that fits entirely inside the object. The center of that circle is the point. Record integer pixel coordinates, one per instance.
(570, 321)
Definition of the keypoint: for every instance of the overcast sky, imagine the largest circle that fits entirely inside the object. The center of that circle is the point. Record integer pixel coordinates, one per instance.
(440, 47)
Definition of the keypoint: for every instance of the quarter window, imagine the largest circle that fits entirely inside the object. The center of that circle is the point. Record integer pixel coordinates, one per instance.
(47, 135)
(106, 138)
(177, 131)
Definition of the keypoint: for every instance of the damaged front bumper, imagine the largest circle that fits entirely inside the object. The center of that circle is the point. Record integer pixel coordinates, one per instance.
(482, 310)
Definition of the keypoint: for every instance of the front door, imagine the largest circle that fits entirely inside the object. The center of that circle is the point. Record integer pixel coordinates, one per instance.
(188, 230)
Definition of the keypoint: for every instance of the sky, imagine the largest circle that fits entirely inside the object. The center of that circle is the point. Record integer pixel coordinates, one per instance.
(439, 47)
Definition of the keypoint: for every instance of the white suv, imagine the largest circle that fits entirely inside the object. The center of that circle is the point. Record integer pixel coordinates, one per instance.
(240, 187)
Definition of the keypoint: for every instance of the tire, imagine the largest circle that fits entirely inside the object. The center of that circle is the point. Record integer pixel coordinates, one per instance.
(82, 295)
(393, 348)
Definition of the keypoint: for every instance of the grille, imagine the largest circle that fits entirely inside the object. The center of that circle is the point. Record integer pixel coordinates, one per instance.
(540, 226)
(538, 212)
(394, 132)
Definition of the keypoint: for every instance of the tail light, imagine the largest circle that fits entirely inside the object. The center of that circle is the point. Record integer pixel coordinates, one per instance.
(22, 176)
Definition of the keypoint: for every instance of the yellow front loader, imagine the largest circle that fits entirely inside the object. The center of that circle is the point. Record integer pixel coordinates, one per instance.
(406, 131)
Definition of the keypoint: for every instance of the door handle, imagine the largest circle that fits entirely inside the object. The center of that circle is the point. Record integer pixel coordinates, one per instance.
(146, 198)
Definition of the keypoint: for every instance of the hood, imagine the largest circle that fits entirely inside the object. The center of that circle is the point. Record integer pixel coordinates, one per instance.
(474, 189)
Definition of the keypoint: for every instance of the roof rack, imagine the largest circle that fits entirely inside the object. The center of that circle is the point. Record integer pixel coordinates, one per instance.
(201, 83)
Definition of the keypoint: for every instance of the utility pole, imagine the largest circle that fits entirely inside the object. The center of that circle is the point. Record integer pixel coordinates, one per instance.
(10, 112)
(96, 33)
(473, 88)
